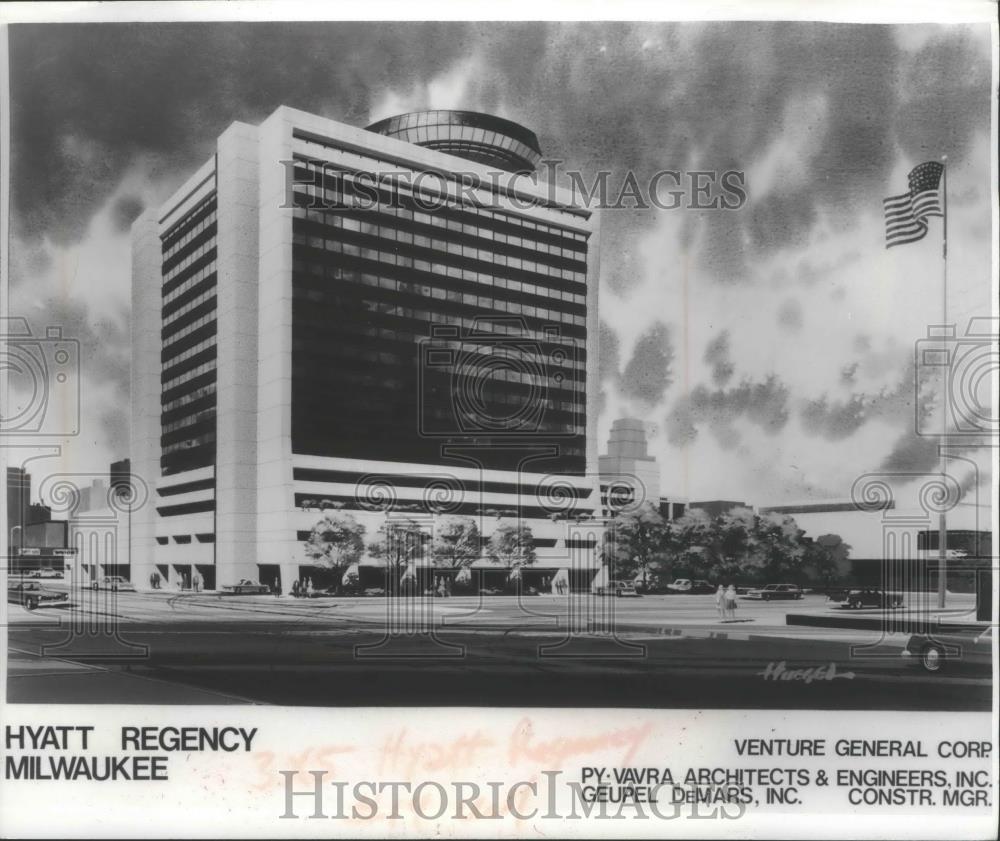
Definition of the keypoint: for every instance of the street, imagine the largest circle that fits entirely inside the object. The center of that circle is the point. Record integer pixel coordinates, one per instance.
(666, 651)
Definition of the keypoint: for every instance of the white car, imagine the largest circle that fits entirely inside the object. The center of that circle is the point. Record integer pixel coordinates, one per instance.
(113, 582)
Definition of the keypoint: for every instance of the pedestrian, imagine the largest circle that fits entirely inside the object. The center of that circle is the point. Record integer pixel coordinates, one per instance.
(152, 581)
(720, 601)
(296, 589)
(731, 601)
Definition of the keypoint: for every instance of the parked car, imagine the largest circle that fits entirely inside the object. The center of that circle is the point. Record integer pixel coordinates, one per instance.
(45, 573)
(246, 587)
(616, 588)
(113, 582)
(867, 597)
(952, 649)
(689, 586)
(31, 594)
(773, 592)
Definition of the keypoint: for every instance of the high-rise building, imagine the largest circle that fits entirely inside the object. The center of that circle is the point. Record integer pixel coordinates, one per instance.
(628, 462)
(631, 475)
(34, 538)
(326, 315)
(18, 502)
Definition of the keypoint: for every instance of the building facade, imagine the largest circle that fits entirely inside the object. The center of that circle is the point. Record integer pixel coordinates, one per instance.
(631, 475)
(897, 543)
(36, 540)
(395, 321)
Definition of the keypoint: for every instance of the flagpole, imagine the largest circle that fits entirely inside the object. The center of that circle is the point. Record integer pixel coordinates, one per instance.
(942, 519)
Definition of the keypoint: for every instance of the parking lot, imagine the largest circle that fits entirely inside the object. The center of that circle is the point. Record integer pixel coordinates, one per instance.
(649, 613)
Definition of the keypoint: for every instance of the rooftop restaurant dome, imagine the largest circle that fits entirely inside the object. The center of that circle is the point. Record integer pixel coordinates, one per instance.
(483, 138)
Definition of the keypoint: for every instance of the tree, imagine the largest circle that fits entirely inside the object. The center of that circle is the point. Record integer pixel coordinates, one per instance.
(737, 546)
(637, 542)
(696, 546)
(336, 541)
(826, 557)
(512, 545)
(399, 542)
(456, 542)
(777, 548)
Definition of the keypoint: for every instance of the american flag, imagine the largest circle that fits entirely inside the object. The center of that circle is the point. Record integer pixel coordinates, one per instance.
(906, 215)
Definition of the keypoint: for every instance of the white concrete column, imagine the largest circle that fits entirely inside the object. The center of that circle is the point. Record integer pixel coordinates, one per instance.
(276, 539)
(237, 361)
(144, 448)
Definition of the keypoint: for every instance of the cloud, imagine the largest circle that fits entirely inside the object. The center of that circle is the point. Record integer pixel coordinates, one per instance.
(717, 355)
(92, 100)
(82, 289)
(608, 363)
(764, 404)
(125, 211)
(834, 421)
(825, 119)
(912, 452)
(649, 373)
(790, 315)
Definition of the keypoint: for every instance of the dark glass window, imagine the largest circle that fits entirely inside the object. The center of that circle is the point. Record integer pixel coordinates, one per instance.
(188, 332)
(377, 292)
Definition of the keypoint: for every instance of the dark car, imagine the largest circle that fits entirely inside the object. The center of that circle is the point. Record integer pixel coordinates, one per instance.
(616, 588)
(954, 649)
(31, 594)
(867, 597)
(772, 592)
(246, 587)
(690, 587)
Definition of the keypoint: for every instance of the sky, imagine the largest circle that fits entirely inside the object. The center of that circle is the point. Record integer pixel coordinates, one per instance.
(770, 349)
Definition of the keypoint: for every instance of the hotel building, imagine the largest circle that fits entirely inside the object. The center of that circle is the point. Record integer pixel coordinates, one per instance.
(393, 319)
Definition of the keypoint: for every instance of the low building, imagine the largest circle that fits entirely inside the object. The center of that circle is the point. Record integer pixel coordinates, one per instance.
(717, 507)
(897, 544)
(36, 540)
(99, 526)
